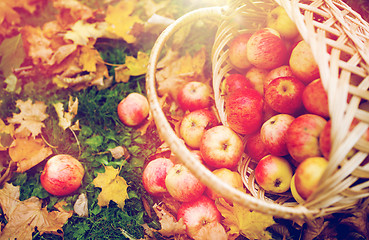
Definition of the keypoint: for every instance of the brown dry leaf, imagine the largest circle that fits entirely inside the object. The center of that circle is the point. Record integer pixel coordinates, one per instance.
(9, 18)
(72, 11)
(30, 118)
(66, 117)
(113, 187)
(6, 135)
(169, 224)
(119, 152)
(24, 216)
(241, 220)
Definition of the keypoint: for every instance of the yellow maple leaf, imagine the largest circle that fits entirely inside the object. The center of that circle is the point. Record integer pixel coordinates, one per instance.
(66, 117)
(30, 117)
(242, 220)
(121, 21)
(113, 187)
(24, 216)
(132, 67)
(81, 32)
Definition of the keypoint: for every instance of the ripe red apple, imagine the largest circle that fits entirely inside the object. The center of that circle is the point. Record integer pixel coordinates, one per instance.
(244, 109)
(282, 71)
(62, 175)
(303, 64)
(315, 98)
(236, 81)
(325, 140)
(154, 174)
(194, 124)
(198, 214)
(257, 77)
(273, 174)
(273, 133)
(182, 185)
(266, 49)
(133, 109)
(194, 95)
(284, 95)
(221, 147)
(303, 136)
(228, 176)
(279, 20)
(308, 175)
(255, 148)
(238, 51)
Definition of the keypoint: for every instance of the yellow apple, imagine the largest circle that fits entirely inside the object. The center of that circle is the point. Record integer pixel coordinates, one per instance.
(228, 176)
(294, 192)
(279, 20)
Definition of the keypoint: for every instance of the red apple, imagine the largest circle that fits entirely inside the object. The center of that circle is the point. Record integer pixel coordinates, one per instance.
(228, 176)
(284, 94)
(244, 109)
(308, 175)
(266, 49)
(198, 214)
(274, 174)
(221, 147)
(282, 71)
(194, 95)
(62, 175)
(182, 185)
(273, 134)
(303, 136)
(235, 82)
(237, 51)
(194, 124)
(133, 109)
(255, 148)
(303, 64)
(154, 174)
(315, 98)
(257, 77)
(325, 140)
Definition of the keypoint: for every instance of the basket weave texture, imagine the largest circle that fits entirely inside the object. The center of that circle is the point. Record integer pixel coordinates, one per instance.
(339, 39)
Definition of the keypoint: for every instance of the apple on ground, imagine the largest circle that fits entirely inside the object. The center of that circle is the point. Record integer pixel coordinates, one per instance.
(221, 147)
(282, 71)
(255, 148)
(257, 77)
(279, 20)
(238, 51)
(194, 95)
(194, 124)
(236, 81)
(228, 176)
(266, 49)
(198, 214)
(62, 175)
(315, 98)
(302, 137)
(308, 175)
(273, 133)
(133, 109)
(182, 185)
(284, 94)
(303, 64)
(244, 109)
(273, 174)
(154, 174)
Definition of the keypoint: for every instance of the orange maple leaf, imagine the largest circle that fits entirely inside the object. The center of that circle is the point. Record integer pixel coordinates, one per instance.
(71, 11)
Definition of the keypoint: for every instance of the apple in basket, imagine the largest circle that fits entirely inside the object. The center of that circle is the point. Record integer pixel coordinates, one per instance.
(273, 133)
(133, 109)
(303, 64)
(255, 148)
(315, 98)
(279, 20)
(182, 185)
(194, 124)
(236, 81)
(221, 147)
(199, 214)
(284, 94)
(266, 49)
(282, 71)
(238, 51)
(273, 174)
(154, 174)
(244, 109)
(194, 95)
(257, 77)
(228, 176)
(303, 136)
(62, 175)
(308, 175)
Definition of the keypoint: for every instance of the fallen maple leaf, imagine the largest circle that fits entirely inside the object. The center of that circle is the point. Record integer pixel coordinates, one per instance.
(242, 220)
(81, 32)
(169, 224)
(8, 17)
(66, 117)
(113, 187)
(132, 67)
(30, 118)
(6, 135)
(72, 11)
(24, 216)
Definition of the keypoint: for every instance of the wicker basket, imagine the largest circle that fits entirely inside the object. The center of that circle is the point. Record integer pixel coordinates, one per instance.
(339, 39)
